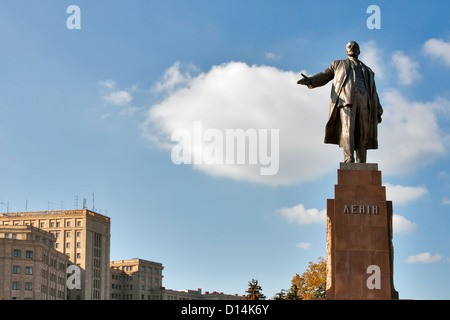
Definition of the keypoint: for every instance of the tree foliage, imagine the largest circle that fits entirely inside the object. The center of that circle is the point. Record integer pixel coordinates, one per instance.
(311, 284)
(280, 295)
(254, 291)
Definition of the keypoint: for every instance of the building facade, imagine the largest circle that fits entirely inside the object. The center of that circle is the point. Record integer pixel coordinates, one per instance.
(83, 236)
(30, 267)
(138, 279)
(38, 249)
(188, 294)
(135, 279)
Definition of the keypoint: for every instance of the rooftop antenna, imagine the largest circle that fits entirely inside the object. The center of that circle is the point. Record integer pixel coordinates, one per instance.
(48, 204)
(7, 206)
(93, 202)
(76, 202)
(84, 203)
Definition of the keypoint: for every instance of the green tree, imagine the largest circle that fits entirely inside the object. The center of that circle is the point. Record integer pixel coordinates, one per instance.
(254, 291)
(280, 295)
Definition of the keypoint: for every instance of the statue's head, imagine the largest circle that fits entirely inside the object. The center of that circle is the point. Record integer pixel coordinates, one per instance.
(352, 49)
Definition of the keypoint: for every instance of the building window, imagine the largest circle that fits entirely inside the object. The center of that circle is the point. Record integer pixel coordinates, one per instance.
(78, 223)
(14, 236)
(17, 253)
(42, 224)
(16, 269)
(28, 270)
(16, 285)
(78, 244)
(68, 234)
(68, 224)
(28, 286)
(68, 245)
(29, 254)
(52, 224)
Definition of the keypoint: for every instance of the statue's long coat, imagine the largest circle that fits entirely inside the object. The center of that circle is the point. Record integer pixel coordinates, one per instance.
(339, 72)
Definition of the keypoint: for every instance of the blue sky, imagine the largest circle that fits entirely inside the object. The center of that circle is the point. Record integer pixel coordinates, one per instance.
(91, 111)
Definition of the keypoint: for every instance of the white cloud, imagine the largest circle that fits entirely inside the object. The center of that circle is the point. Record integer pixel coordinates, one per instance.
(119, 97)
(402, 195)
(298, 214)
(409, 136)
(174, 78)
(235, 95)
(372, 56)
(446, 201)
(110, 84)
(438, 49)
(407, 69)
(424, 258)
(271, 56)
(303, 245)
(401, 224)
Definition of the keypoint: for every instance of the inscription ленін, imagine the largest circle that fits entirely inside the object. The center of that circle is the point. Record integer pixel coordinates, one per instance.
(361, 209)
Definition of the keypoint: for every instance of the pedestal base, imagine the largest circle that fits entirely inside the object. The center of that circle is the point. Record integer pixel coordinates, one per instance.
(359, 236)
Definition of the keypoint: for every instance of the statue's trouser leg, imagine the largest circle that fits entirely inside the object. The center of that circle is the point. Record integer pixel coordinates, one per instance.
(361, 125)
(347, 115)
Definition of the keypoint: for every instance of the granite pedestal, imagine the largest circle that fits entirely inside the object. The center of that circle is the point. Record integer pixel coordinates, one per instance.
(359, 236)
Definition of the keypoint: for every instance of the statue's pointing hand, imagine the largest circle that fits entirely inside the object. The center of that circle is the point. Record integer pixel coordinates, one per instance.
(304, 81)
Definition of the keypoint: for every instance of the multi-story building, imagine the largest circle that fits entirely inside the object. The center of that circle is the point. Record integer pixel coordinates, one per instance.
(30, 267)
(37, 247)
(138, 279)
(188, 294)
(83, 236)
(135, 279)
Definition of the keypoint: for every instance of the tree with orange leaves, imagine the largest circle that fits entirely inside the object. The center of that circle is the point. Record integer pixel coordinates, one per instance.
(311, 284)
